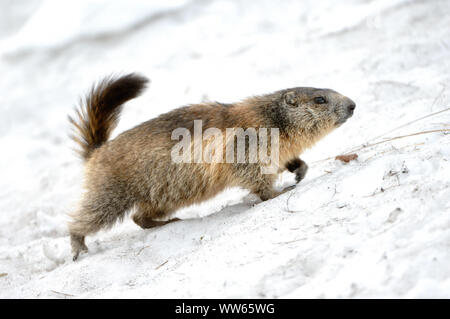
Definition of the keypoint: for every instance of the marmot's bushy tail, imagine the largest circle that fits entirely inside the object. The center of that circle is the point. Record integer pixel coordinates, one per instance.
(99, 113)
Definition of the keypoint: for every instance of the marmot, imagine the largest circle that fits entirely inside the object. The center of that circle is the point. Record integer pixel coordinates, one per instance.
(135, 169)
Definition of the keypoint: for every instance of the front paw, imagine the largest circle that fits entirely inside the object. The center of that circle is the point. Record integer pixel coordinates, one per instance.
(298, 167)
(300, 172)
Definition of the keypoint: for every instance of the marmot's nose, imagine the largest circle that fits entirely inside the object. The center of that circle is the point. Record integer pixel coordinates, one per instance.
(351, 107)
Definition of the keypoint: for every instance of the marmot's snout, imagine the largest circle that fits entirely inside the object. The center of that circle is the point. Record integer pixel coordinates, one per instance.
(346, 110)
(350, 108)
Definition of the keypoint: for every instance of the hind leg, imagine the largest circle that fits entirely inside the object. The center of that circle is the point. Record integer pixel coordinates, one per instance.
(146, 222)
(145, 215)
(98, 210)
(78, 245)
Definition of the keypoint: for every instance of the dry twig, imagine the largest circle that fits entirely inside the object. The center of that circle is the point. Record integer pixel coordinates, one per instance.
(387, 140)
(62, 293)
(162, 264)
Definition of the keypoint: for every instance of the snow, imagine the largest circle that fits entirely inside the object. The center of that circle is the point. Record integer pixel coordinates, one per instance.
(375, 227)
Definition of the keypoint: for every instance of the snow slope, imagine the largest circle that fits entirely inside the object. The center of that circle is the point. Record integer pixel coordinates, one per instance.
(375, 227)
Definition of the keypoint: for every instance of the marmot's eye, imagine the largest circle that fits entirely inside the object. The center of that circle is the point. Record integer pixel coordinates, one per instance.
(320, 100)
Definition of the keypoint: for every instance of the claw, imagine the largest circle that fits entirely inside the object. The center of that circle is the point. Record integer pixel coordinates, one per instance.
(300, 172)
(289, 188)
(78, 245)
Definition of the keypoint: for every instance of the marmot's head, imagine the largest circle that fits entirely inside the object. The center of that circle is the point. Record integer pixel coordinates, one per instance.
(306, 107)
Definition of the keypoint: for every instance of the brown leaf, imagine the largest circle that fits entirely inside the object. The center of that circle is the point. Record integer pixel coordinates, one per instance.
(346, 158)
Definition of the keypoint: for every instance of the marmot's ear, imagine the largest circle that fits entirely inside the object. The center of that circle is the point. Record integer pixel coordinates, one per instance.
(289, 98)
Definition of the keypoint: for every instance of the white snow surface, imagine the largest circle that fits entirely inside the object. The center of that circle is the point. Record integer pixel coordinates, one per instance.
(375, 227)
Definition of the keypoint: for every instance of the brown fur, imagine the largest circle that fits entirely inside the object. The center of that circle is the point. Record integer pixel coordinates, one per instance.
(99, 114)
(135, 170)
